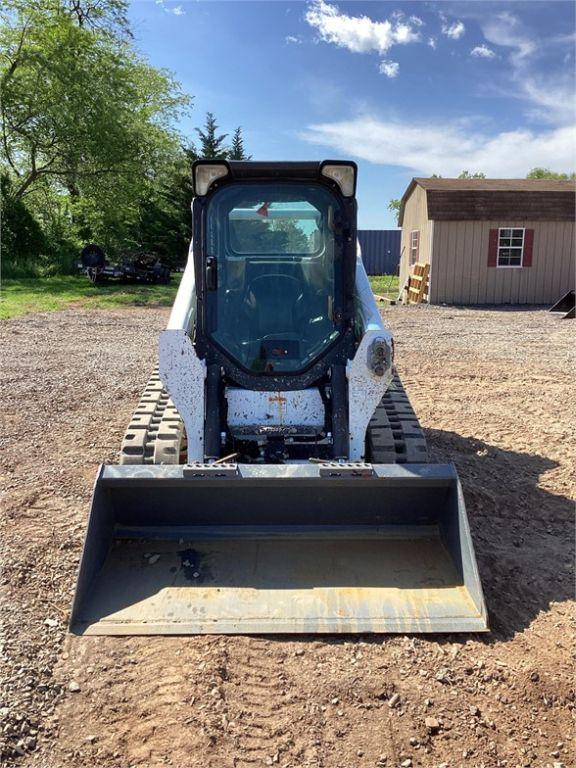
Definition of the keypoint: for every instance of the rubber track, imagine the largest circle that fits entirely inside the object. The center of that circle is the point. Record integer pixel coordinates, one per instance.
(155, 432)
(394, 434)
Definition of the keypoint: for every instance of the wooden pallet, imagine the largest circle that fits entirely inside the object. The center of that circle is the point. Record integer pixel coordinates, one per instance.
(417, 283)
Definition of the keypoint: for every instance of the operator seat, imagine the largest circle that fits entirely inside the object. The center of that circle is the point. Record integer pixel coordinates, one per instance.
(273, 304)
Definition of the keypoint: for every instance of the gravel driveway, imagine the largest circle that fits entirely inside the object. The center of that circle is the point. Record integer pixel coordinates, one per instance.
(493, 390)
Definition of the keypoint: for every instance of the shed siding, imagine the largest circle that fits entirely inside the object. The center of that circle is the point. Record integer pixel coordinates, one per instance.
(461, 274)
(415, 218)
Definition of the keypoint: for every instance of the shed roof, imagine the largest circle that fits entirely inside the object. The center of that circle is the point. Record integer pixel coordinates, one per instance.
(493, 199)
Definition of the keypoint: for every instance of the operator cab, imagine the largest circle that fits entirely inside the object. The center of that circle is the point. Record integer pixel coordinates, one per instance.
(276, 260)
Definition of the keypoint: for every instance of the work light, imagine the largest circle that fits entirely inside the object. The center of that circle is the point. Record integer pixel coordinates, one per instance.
(207, 173)
(344, 174)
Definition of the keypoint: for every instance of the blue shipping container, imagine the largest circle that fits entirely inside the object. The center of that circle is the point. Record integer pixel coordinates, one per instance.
(380, 250)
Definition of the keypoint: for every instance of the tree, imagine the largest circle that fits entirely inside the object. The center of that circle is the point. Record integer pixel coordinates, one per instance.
(164, 221)
(394, 206)
(468, 175)
(546, 173)
(269, 236)
(87, 124)
(237, 151)
(212, 146)
(21, 233)
(108, 16)
(77, 105)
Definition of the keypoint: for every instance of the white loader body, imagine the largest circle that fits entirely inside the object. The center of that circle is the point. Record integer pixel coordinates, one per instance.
(183, 374)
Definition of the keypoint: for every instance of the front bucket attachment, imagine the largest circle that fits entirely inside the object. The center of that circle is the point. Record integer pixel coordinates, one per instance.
(278, 548)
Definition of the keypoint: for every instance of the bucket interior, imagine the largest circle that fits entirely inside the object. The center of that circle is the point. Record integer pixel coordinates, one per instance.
(168, 555)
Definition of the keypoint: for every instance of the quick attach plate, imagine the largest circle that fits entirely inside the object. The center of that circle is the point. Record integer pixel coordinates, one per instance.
(198, 469)
(346, 469)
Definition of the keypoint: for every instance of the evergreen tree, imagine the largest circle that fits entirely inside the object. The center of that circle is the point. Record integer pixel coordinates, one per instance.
(211, 145)
(237, 151)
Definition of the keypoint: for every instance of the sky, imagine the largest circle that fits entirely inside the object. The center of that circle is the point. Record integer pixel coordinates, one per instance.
(403, 88)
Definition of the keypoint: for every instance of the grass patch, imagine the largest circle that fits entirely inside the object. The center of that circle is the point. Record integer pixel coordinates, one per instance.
(46, 294)
(385, 285)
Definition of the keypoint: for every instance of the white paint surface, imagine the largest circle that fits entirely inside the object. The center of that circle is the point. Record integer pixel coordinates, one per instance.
(183, 374)
(184, 308)
(295, 408)
(365, 390)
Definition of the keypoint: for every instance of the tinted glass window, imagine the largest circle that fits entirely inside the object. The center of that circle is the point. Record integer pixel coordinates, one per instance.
(271, 306)
(275, 227)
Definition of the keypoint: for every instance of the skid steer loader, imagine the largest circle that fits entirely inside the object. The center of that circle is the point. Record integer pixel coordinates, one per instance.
(274, 477)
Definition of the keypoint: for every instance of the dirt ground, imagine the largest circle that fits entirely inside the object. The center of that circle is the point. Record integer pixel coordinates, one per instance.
(492, 389)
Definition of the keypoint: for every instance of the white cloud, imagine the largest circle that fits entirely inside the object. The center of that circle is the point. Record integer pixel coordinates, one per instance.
(455, 30)
(176, 10)
(389, 68)
(506, 29)
(446, 149)
(292, 40)
(360, 34)
(551, 95)
(483, 52)
(432, 43)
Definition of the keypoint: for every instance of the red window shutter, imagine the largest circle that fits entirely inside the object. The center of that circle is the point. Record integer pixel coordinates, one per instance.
(528, 247)
(493, 248)
(414, 246)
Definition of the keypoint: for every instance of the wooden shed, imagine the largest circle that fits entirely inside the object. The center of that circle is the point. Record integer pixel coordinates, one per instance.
(490, 241)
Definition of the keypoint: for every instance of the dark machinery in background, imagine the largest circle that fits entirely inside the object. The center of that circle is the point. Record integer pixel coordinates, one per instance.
(136, 268)
(565, 307)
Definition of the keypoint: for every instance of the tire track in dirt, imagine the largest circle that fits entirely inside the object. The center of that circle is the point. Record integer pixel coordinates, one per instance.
(143, 701)
(256, 702)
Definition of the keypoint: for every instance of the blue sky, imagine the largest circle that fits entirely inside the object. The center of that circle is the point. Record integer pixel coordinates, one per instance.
(403, 88)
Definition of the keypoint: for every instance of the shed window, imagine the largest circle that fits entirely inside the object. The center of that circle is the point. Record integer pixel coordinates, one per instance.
(510, 247)
(414, 245)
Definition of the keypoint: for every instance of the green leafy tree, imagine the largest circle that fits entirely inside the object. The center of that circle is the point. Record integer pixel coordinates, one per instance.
(394, 206)
(546, 173)
(165, 223)
(21, 232)
(108, 16)
(468, 175)
(86, 123)
(292, 238)
(89, 149)
(237, 151)
(212, 144)
(77, 106)
(269, 235)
